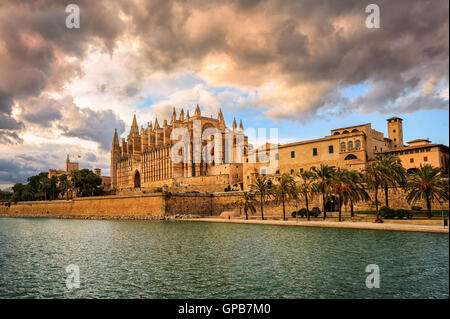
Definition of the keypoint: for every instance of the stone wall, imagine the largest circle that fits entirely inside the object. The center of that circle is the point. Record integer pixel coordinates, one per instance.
(171, 204)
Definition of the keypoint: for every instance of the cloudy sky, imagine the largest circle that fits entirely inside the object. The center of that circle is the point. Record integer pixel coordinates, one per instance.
(304, 66)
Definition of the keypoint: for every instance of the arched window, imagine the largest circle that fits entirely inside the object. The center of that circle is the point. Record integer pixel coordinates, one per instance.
(342, 146)
(345, 132)
(350, 145)
(336, 133)
(358, 144)
(354, 130)
(350, 157)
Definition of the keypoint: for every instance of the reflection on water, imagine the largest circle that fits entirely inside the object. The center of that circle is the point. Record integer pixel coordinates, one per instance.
(142, 259)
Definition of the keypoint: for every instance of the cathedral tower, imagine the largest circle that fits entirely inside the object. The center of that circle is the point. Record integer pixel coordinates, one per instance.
(395, 131)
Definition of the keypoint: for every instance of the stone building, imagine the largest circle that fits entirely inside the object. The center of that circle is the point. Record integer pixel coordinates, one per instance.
(350, 147)
(422, 151)
(150, 159)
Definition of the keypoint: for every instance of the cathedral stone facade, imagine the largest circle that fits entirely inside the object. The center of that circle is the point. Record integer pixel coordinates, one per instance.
(146, 158)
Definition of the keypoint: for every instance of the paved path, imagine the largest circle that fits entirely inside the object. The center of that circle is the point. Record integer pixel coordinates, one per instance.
(333, 224)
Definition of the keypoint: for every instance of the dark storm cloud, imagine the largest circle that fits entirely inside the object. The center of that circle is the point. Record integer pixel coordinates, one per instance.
(12, 172)
(34, 45)
(84, 123)
(42, 110)
(320, 45)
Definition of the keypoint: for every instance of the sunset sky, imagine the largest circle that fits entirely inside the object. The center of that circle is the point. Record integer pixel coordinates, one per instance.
(304, 66)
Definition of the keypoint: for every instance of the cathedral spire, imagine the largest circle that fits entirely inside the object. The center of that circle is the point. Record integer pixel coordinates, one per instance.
(156, 123)
(182, 115)
(134, 126)
(187, 115)
(234, 124)
(220, 115)
(241, 126)
(198, 113)
(174, 116)
(115, 140)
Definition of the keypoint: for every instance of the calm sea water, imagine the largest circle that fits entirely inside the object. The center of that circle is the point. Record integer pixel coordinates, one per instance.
(143, 259)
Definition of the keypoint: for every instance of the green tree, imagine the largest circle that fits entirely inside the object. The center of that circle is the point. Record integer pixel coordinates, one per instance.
(248, 202)
(340, 188)
(262, 187)
(305, 187)
(374, 177)
(356, 189)
(86, 182)
(322, 177)
(393, 171)
(65, 185)
(284, 189)
(427, 183)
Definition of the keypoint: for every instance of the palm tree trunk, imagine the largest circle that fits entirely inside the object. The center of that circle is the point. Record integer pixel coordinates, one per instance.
(324, 206)
(307, 208)
(352, 214)
(376, 203)
(386, 194)
(427, 199)
(284, 208)
(246, 213)
(340, 210)
(262, 208)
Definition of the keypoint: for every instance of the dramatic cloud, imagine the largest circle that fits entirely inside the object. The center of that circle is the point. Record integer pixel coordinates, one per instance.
(287, 59)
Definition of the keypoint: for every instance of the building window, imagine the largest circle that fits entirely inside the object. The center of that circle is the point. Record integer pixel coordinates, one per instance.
(292, 154)
(425, 159)
(395, 139)
(314, 151)
(276, 156)
(350, 145)
(246, 159)
(277, 172)
(330, 149)
(350, 157)
(301, 170)
(263, 171)
(342, 146)
(422, 150)
(416, 151)
(292, 171)
(358, 144)
(393, 130)
(411, 160)
(375, 147)
(428, 149)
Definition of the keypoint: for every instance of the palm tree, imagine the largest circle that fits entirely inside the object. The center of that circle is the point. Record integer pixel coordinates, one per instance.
(427, 183)
(393, 171)
(357, 191)
(340, 188)
(64, 185)
(374, 177)
(248, 201)
(304, 186)
(322, 178)
(284, 189)
(263, 187)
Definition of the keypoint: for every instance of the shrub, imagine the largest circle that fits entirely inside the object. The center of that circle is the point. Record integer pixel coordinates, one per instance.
(315, 212)
(158, 190)
(387, 213)
(416, 208)
(401, 213)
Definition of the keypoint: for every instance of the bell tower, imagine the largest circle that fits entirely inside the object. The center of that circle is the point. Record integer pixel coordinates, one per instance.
(395, 131)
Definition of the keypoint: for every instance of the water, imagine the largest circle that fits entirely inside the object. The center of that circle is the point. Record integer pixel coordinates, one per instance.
(143, 259)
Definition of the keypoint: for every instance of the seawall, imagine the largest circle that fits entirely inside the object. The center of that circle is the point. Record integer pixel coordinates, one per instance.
(155, 205)
(144, 206)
